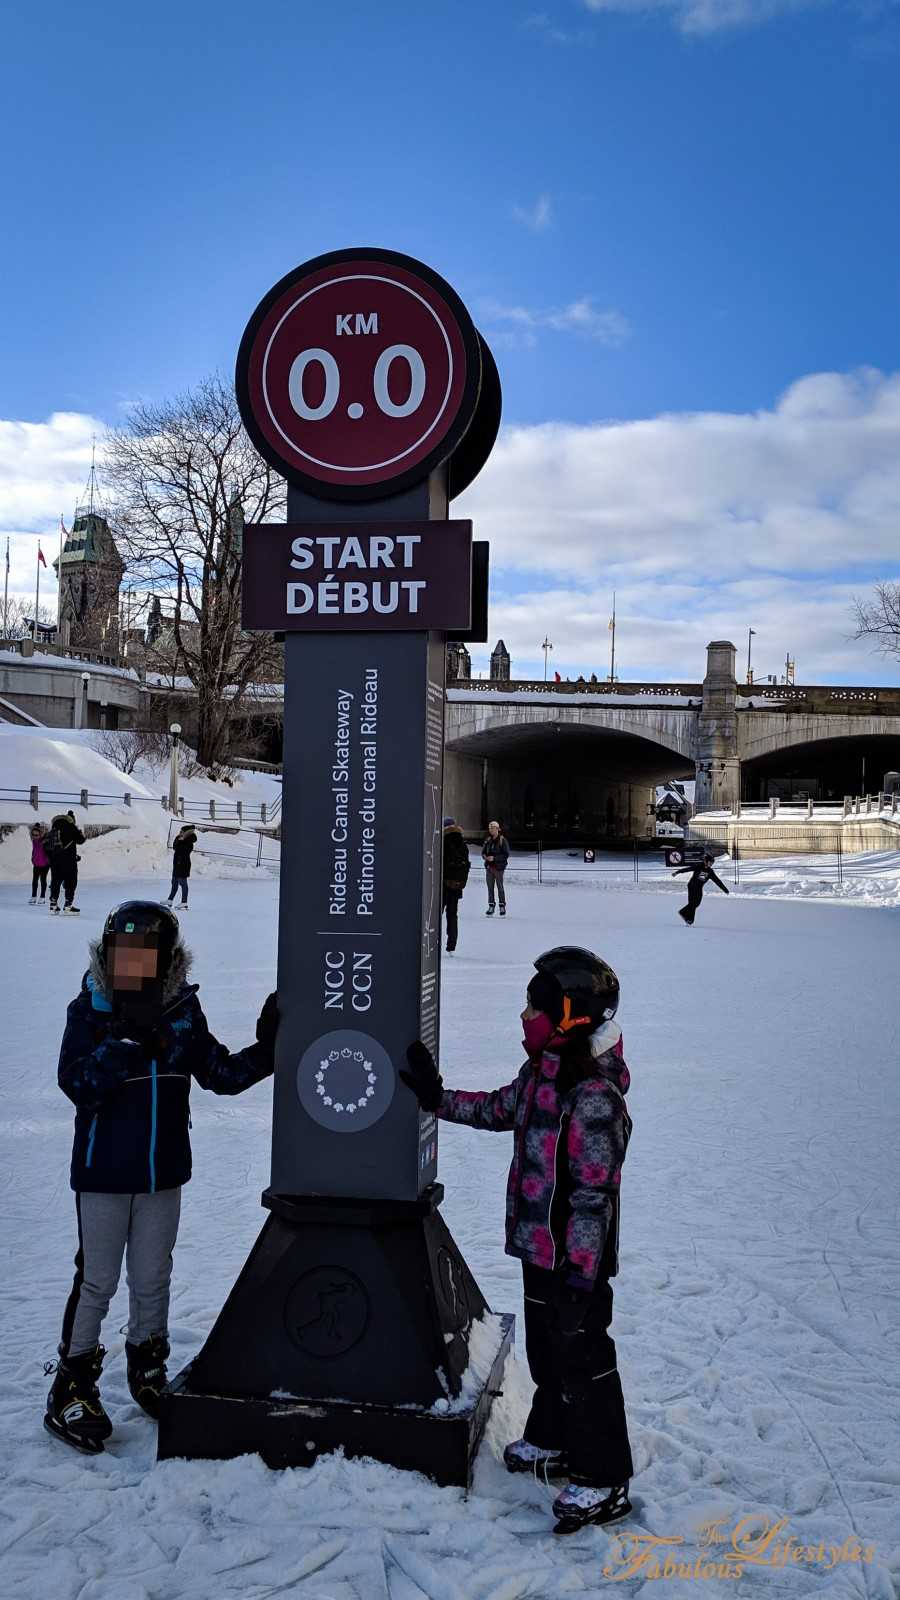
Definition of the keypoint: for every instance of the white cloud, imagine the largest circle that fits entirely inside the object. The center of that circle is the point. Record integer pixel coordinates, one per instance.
(537, 217)
(705, 523)
(710, 16)
(43, 470)
(608, 327)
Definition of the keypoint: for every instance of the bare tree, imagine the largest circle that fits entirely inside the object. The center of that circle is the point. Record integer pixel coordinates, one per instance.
(126, 747)
(182, 477)
(18, 610)
(879, 618)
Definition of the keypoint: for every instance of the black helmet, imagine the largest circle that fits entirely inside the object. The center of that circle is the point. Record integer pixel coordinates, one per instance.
(588, 986)
(147, 917)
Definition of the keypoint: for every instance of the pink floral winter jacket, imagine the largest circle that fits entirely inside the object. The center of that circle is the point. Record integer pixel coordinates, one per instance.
(562, 1197)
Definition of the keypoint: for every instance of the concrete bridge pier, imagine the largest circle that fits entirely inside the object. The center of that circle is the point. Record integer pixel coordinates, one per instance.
(718, 763)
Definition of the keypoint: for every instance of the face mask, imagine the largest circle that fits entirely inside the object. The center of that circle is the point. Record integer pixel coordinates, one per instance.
(537, 1031)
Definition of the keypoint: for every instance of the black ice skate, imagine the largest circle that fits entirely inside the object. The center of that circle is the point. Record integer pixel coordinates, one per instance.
(147, 1376)
(577, 1507)
(75, 1411)
(54, 908)
(520, 1456)
(74, 911)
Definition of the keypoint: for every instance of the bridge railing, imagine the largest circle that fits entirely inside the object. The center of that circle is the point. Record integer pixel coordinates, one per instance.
(881, 804)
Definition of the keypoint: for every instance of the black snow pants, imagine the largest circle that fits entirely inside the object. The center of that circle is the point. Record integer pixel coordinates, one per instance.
(578, 1404)
(63, 875)
(689, 911)
(452, 898)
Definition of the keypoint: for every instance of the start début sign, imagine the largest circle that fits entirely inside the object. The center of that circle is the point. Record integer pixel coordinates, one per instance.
(371, 576)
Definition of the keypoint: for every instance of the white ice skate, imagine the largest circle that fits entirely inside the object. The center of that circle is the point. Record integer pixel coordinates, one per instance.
(580, 1505)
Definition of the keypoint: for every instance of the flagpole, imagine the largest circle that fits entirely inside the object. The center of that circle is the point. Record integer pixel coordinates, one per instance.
(6, 593)
(59, 578)
(37, 594)
(612, 657)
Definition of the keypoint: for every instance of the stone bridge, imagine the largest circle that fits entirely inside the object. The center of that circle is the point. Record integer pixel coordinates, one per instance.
(579, 758)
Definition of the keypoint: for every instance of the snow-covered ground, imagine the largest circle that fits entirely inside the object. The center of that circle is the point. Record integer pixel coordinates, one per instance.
(756, 1310)
(61, 762)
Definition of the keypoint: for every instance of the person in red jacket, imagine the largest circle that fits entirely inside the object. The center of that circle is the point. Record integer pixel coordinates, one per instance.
(566, 1109)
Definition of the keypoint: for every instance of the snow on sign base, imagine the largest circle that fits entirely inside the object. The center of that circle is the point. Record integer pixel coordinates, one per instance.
(289, 1430)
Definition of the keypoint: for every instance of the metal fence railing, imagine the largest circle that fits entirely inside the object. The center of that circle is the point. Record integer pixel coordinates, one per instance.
(242, 811)
(262, 850)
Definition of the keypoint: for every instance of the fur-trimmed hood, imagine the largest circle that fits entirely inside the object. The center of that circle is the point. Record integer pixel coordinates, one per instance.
(176, 978)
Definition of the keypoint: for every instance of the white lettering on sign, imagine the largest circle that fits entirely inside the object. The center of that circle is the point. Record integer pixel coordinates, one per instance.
(332, 384)
(334, 597)
(340, 551)
(399, 352)
(380, 378)
(356, 322)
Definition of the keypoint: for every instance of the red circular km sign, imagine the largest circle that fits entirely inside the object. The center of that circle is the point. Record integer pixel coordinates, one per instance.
(358, 374)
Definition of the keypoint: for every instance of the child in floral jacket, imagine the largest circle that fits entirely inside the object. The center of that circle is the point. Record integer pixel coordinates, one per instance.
(567, 1111)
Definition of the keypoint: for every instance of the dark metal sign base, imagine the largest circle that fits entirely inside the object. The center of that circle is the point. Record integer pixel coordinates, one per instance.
(370, 1301)
(293, 1433)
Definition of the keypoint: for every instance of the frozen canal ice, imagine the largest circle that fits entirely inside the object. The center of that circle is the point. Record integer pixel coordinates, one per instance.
(756, 1308)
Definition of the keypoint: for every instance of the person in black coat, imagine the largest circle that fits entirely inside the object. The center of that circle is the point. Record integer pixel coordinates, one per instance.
(700, 876)
(183, 845)
(61, 846)
(135, 1036)
(456, 876)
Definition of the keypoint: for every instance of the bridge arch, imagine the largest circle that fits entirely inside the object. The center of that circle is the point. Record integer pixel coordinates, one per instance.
(548, 771)
(825, 757)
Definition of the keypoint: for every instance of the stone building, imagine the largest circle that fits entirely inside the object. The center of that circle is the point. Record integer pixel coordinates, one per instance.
(90, 576)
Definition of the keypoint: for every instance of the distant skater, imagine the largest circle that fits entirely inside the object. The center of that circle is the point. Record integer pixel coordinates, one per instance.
(699, 877)
(40, 863)
(456, 876)
(495, 853)
(182, 847)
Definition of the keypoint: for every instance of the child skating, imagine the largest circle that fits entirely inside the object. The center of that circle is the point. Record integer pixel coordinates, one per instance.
(567, 1109)
(134, 1038)
(700, 876)
(40, 863)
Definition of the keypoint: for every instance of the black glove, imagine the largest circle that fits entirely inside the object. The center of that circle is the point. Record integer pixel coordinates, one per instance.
(146, 1034)
(571, 1307)
(423, 1076)
(267, 1023)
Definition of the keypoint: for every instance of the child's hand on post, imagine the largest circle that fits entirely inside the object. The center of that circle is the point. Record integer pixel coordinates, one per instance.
(423, 1077)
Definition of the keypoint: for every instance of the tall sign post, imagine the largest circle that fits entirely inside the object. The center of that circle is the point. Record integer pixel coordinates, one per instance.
(361, 379)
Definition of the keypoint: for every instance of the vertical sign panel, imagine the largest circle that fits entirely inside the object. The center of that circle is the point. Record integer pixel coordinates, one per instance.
(359, 944)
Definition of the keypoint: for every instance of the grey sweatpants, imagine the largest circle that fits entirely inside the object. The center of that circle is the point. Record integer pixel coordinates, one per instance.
(143, 1229)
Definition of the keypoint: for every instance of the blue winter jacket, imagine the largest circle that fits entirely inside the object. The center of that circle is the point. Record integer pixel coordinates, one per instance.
(133, 1100)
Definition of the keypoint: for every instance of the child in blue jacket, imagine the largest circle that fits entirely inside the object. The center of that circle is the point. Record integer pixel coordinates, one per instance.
(134, 1038)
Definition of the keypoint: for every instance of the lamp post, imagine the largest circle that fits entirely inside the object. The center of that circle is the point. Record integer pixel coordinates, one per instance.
(546, 647)
(750, 636)
(81, 717)
(175, 731)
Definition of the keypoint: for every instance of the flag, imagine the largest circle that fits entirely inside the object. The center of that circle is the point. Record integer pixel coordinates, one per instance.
(7, 552)
(64, 532)
(557, 678)
(41, 555)
(611, 623)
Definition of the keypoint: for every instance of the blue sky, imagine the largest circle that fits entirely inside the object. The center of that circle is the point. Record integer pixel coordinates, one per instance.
(656, 209)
